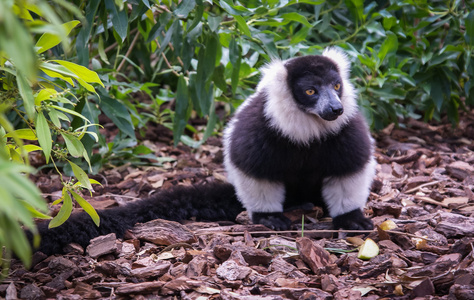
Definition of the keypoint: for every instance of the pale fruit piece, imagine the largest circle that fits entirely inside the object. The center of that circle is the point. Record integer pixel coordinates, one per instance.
(368, 249)
(388, 225)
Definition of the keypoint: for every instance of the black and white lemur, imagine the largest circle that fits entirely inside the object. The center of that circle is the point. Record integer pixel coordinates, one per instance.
(300, 138)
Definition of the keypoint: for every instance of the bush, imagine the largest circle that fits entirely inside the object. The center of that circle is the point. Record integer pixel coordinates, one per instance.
(36, 108)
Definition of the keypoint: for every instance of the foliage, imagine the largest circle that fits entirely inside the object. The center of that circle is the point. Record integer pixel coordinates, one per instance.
(410, 59)
(35, 113)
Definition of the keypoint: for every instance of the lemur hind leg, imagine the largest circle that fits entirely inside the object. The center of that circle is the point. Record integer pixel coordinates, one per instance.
(345, 198)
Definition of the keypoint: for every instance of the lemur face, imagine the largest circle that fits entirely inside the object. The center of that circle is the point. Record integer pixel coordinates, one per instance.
(316, 86)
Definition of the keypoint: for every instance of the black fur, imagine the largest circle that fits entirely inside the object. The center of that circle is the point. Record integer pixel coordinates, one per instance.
(354, 220)
(261, 152)
(211, 202)
(321, 75)
(275, 221)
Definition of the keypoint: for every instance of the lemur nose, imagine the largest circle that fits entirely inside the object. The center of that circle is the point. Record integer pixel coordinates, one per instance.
(338, 110)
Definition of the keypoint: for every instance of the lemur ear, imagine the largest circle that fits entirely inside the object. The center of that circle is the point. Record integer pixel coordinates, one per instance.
(339, 57)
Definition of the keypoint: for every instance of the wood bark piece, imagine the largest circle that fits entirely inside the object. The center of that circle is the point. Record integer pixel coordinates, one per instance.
(31, 292)
(252, 256)
(454, 225)
(181, 284)
(164, 232)
(152, 271)
(460, 170)
(425, 288)
(102, 245)
(230, 270)
(139, 288)
(298, 293)
(312, 254)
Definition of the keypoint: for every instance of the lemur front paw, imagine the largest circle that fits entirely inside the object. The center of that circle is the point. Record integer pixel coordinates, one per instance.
(353, 220)
(275, 221)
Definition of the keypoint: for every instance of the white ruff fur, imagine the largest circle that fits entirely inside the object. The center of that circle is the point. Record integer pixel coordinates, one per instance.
(344, 194)
(292, 122)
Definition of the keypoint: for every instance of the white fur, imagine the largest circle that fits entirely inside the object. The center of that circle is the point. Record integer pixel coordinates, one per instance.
(344, 194)
(256, 195)
(291, 121)
(339, 57)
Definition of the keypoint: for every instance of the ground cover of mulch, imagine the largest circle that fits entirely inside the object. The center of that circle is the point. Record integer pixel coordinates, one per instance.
(424, 184)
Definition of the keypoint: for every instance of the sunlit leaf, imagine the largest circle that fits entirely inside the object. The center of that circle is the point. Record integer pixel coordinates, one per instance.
(81, 72)
(89, 209)
(49, 40)
(80, 175)
(44, 135)
(25, 134)
(64, 211)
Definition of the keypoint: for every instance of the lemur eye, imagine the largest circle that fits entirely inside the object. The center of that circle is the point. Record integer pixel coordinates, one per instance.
(310, 92)
(337, 86)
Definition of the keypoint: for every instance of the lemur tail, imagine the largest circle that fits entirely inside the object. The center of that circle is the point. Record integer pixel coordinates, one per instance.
(210, 202)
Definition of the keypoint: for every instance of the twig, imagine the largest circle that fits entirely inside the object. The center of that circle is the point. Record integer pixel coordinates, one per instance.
(166, 60)
(431, 201)
(311, 231)
(284, 231)
(115, 44)
(422, 186)
(170, 247)
(132, 45)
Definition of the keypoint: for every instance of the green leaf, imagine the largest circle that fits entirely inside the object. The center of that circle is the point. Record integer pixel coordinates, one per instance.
(17, 43)
(44, 135)
(69, 111)
(205, 69)
(440, 89)
(30, 148)
(49, 40)
(184, 8)
(53, 115)
(89, 209)
(118, 113)
(101, 50)
(470, 29)
(296, 17)
(27, 94)
(389, 45)
(44, 94)
(243, 25)
(34, 212)
(80, 175)
(81, 72)
(25, 134)
(234, 9)
(182, 107)
(214, 22)
(17, 240)
(235, 56)
(356, 7)
(64, 212)
(73, 145)
(119, 19)
(84, 34)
